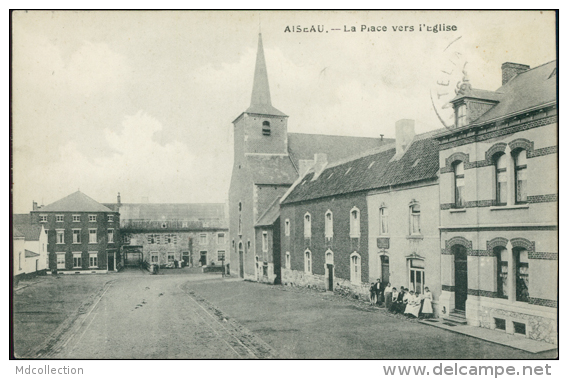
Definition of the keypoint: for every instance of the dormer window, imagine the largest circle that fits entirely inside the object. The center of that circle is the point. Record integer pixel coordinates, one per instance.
(266, 128)
(461, 116)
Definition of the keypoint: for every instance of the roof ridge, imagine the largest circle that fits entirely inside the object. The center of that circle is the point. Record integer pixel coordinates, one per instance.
(367, 153)
(535, 67)
(334, 135)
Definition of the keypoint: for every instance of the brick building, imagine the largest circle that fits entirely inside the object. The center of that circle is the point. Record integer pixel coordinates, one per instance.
(373, 216)
(83, 236)
(499, 199)
(195, 234)
(267, 160)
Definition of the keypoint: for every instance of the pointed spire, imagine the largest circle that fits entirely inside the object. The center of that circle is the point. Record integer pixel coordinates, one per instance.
(260, 88)
(260, 100)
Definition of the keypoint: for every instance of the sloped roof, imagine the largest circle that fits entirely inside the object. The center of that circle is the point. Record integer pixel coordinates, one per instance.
(31, 254)
(304, 146)
(529, 89)
(21, 218)
(419, 162)
(76, 202)
(271, 169)
(270, 215)
(31, 232)
(172, 211)
(482, 94)
(16, 233)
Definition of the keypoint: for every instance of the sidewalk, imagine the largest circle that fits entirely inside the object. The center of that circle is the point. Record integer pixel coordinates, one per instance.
(495, 336)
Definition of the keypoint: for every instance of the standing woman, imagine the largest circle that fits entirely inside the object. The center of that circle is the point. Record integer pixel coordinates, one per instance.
(388, 296)
(427, 310)
(394, 298)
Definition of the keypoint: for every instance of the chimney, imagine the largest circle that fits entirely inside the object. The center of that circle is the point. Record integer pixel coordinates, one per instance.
(320, 162)
(305, 165)
(118, 199)
(34, 206)
(510, 70)
(382, 135)
(404, 130)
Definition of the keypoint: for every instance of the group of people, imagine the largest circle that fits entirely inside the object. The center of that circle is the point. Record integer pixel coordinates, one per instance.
(405, 301)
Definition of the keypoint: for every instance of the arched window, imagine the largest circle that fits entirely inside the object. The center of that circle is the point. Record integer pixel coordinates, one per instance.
(266, 128)
(240, 219)
(307, 225)
(383, 220)
(502, 271)
(414, 215)
(500, 160)
(355, 223)
(328, 224)
(329, 257)
(355, 268)
(521, 274)
(287, 259)
(308, 262)
(459, 184)
(287, 227)
(520, 158)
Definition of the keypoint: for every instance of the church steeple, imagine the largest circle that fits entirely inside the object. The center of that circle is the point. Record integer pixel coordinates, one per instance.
(260, 102)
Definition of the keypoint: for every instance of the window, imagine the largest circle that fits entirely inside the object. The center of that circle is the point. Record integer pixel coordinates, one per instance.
(287, 227)
(60, 261)
(126, 239)
(92, 235)
(20, 260)
(459, 185)
(109, 218)
(416, 275)
(501, 179)
(77, 260)
(328, 224)
(59, 218)
(355, 268)
(220, 238)
(502, 271)
(76, 235)
(220, 255)
(110, 235)
(76, 218)
(461, 116)
(521, 274)
(92, 218)
(266, 128)
(42, 218)
(307, 225)
(355, 223)
(170, 238)
(171, 257)
(500, 324)
(93, 259)
(153, 238)
(287, 260)
(154, 257)
(415, 219)
(164, 225)
(383, 220)
(240, 219)
(265, 241)
(203, 239)
(308, 262)
(184, 224)
(521, 176)
(60, 236)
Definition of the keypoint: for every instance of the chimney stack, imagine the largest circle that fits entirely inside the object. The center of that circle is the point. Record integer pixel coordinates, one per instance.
(305, 165)
(118, 199)
(34, 206)
(509, 70)
(382, 135)
(404, 130)
(320, 162)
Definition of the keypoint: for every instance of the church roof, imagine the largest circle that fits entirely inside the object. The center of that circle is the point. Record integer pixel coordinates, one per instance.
(304, 146)
(172, 211)
(529, 89)
(270, 215)
(271, 169)
(260, 102)
(372, 171)
(76, 202)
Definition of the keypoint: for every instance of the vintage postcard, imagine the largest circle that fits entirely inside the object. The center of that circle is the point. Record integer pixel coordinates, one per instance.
(285, 185)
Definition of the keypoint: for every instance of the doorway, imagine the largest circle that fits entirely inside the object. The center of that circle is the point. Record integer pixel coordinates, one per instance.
(111, 262)
(330, 277)
(460, 276)
(203, 258)
(241, 261)
(185, 257)
(385, 269)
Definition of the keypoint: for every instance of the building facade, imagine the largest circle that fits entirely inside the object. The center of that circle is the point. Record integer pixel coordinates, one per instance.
(267, 161)
(83, 236)
(190, 234)
(499, 199)
(31, 258)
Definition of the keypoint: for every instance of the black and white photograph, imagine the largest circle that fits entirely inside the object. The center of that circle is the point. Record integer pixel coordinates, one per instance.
(195, 185)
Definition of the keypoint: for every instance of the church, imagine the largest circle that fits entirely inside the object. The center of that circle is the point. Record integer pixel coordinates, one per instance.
(267, 161)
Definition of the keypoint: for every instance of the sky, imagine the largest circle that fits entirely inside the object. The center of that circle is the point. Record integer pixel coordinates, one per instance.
(142, 102)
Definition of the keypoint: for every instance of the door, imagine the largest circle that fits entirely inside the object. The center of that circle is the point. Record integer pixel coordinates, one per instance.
(241, 261)
(385, 269)
(185, 258)
(460, 276)
(330, 277)
(110, 262)
(203, 258)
